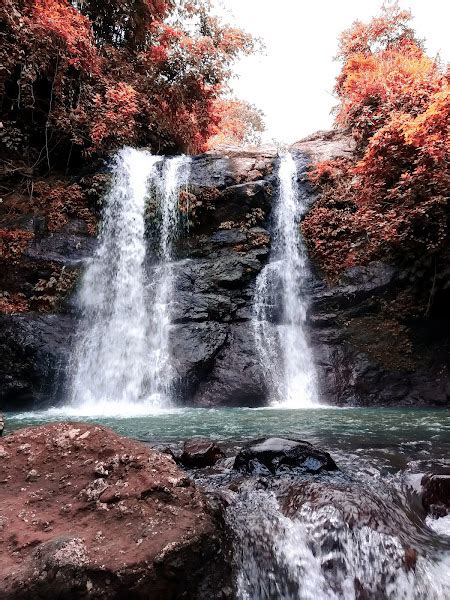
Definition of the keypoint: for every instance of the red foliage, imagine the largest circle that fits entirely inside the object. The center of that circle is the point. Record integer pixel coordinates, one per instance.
(67, 29)
(13, 243)
(90, 76)
(59, 201)
(392, 201)
(13, 303)
(237, 123)
(115, 115)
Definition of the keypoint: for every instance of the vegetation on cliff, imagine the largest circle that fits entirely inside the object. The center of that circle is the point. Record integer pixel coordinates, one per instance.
(90, 76)
(79, 79)
(390, 201)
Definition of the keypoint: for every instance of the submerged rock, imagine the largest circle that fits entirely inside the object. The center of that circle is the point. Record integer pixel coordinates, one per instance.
(200, 453)
(88, 514)
(278, 455)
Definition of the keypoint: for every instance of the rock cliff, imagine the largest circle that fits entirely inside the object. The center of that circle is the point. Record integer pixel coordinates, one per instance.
(364, 355)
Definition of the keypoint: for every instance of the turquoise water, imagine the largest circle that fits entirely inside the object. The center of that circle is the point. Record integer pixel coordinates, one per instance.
(338, 427)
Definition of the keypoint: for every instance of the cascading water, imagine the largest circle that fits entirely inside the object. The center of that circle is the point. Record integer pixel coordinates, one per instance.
(122, 359)
(175, 174)
(280, 304)
(321, 555)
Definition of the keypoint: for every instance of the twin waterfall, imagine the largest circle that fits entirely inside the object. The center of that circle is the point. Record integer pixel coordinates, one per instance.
(318, 537)
(122, 362)
(122, 359)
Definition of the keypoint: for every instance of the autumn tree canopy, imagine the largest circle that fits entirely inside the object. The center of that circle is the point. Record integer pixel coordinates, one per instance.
(86, 76)
(391, 202)
(237, 122)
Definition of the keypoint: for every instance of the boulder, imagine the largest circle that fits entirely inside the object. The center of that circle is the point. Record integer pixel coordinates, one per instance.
(86, 513)
(277, 455)
(326, 145)
(200, 453)
(340, 516)
(230, 166)
(356, 505)
(436, 494)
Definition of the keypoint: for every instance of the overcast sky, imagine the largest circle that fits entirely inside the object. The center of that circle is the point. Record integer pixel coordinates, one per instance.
(293, 81)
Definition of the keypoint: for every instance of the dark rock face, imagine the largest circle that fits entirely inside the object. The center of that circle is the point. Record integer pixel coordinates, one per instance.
(436, 494)
(363, 356)
(88, 514)
(278, 455)
(35, 349)
(219, 257)
(212, 338)
(236, 378)
(200, 453)
(367, 358)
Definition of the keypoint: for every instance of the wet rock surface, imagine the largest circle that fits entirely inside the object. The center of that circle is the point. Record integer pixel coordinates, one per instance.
(85, 513)
(218, 258)
(200, 453)
(272, 456)
(35, 348)
(436, 494)
(364, 357)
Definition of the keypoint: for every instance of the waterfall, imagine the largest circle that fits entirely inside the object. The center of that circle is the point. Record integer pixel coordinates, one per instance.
(175, 174)
(280, 302)
(319, 555)
(121, 361)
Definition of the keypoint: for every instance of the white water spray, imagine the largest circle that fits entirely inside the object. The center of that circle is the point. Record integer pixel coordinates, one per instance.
(280, 304)
(318, 555)
(122, 359)
(175, 174)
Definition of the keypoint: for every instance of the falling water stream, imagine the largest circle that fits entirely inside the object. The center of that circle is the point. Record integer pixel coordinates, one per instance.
(121, 363)
(175, 173)
(280, 301)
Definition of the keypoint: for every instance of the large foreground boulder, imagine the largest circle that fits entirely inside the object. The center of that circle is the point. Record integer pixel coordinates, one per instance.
(85, 513)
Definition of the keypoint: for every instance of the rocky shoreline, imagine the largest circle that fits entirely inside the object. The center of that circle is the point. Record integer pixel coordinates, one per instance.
(86, 513)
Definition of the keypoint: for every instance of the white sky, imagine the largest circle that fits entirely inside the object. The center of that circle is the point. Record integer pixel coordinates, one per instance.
(293, 81)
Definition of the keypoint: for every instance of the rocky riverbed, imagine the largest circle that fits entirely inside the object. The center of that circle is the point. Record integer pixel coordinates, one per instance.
(86, 513)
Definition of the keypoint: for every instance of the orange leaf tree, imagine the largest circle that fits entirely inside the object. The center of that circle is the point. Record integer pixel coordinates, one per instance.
(81, 77)
(236, 122)
(391, 201)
